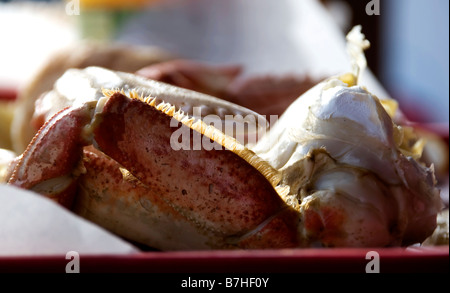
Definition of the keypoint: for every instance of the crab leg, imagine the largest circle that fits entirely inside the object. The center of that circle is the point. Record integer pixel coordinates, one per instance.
(50, 164)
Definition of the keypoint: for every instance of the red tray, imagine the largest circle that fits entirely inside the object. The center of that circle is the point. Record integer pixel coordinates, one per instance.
(8, 94)
(319, 260)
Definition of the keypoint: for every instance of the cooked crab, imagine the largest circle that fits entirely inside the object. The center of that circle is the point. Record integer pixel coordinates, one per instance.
(113, 161)
(335, 170)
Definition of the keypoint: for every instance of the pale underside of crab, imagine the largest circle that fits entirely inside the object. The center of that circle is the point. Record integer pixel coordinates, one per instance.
(317, 182)
(370, 170)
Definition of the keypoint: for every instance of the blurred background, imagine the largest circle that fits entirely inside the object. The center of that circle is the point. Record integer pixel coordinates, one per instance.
(409, 52)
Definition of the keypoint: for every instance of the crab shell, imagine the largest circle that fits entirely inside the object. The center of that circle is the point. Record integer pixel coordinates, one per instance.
(145, 190)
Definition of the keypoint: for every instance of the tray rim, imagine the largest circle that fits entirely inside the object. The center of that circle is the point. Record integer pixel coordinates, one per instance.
(309, 260)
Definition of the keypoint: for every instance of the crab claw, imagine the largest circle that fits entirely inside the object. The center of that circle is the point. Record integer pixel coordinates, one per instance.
(113, 161)
(50, 164)
(221, 195)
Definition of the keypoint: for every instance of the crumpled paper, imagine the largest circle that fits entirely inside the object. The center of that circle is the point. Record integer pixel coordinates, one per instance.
(34, 225)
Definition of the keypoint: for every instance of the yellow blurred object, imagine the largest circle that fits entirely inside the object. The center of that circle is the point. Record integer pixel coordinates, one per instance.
(114, 4)
(6, 115)
(349, 79)
(391, 106)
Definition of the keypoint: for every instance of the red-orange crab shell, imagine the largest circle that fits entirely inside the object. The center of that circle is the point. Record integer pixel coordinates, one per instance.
(146, 191)
(50, 164)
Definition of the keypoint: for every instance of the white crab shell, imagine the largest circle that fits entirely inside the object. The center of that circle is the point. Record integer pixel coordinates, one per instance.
(389, 192)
